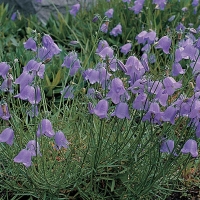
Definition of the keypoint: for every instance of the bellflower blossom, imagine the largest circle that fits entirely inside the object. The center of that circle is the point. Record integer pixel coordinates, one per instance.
(98, 75)
(45, 128)
(141, 37)
(169, 114)
(171, 85)
(177, 69)
(150, 37)
(195, 3)
(121, 111)
(68, 92)
(107, 52)
(7, 84)
(154, 114)
(194, 113)
(14, 16)
(74, 10)
(72, 62)
(35, 68)
(141, 102)
(167, 146)
(24, 79)
(4, 112)
(164, 43)
(126, 48)
(135, 69)
(116, 30)
(30, 93)
(31, 146)
(109, 13)
(25, 155)
(190, 147)
(144, 61)
(4, 68)
(104, 27)
(117, 90)
(30, 44)
(101, 109)
(49, 48)
(101, 45)
(160, 4)
(138, 5)
(7, 136)
(60, 140)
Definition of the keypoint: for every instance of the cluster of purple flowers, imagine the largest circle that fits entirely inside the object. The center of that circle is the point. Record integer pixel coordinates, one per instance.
(30, 91)
(149, 95)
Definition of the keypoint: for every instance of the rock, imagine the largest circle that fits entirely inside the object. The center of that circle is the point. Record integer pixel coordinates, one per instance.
(44, 8)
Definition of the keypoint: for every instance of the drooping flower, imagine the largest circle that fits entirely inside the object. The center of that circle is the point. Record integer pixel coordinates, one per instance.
(95, 18)
(30, 44)
(109, 13)
(113, 64)
(117, 90)
(72, 62)
(101, 45)
(141, 102)
(138, 5)
(116, 30)
(30, 93)
(97, 75)
(150, 37)
(7, 85)
(171, 18)
(45, 128)
(167, 146)
(104, 27)
(107, 52)
(160, 4)
(14, 16)
(68, 92)
(7, 136)
(101, 109)
(177, 69)
(4, 68)
(35, 68)
(190, 147)
(195, 3)
(126, 48)
(164, 43)
(24, 79)
(171, 85)
(74, 10)
(91, 93)
(135, 69)
(169, 114)
(144, 61)
(60, 140)
(4, 112)
(49, 48)
(141, 37)
(121, 111)
(91, 75)
(24, 157)
(32, 146)
(154, 114)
